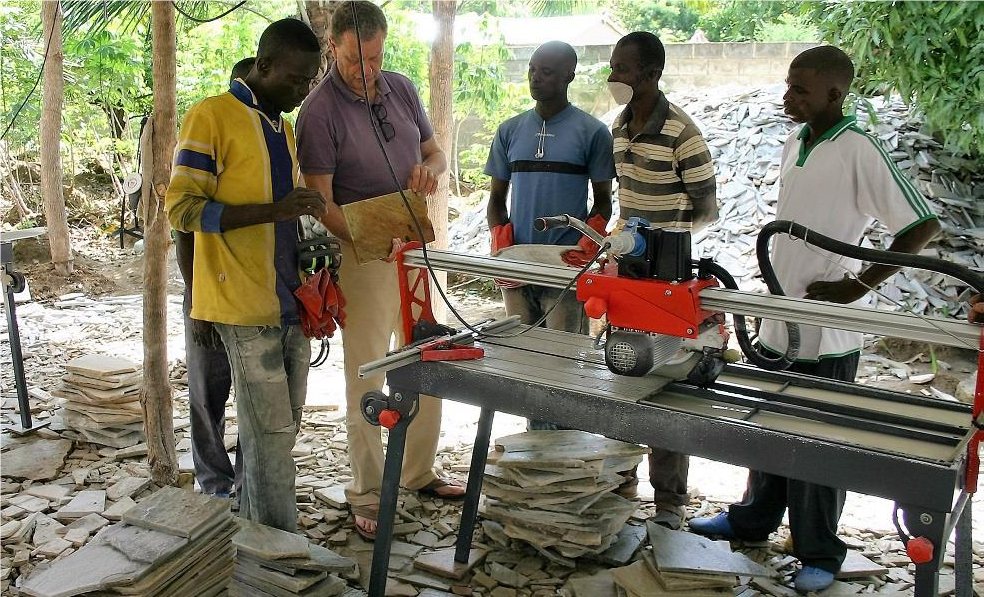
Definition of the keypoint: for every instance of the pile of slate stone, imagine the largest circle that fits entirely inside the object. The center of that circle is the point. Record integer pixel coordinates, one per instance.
(175, 543)
(553, 491)
(271, 562)
(101, 400)
(746, 129)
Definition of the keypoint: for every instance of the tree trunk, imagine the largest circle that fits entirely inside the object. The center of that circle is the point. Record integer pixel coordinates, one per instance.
(155, 395)
(51, 168)
(319, 13)
(441, 82)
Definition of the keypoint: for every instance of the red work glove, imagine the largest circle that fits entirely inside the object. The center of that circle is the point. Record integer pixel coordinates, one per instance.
(502, 237)
(586, 248)
(321, 306)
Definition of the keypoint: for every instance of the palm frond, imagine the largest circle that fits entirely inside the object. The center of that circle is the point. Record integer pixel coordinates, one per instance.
(91, 17)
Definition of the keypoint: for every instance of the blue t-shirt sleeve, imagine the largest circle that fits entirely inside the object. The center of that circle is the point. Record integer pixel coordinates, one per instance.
(497, 166)
(601, 161)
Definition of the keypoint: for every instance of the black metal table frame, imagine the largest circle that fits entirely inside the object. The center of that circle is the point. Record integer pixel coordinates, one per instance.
(928, 505)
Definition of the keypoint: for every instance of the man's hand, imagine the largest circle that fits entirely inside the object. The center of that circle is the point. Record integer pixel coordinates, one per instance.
(398, 245)
(586, 248)
(204, 334)
(422, 180)
(301, 202)
(976, 312)
(842, 291)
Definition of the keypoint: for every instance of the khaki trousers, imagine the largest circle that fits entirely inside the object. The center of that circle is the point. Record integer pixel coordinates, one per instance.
(372, 318)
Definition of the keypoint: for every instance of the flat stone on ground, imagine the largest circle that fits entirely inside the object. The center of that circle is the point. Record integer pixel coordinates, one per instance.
(117, 510)
(334, 496)
(601, 584)
(680, 551)
(36, 459)
(857, 566)
(629, 539)
(92, 501)
(126, 487)
(89, 523)
(268, 543)
(442, 562)
(52, 493)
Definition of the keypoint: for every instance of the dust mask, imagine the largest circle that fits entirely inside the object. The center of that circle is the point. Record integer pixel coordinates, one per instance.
(621, 92)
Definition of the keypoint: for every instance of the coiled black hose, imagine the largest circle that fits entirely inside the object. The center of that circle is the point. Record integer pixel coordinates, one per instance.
(966, 275)
(741, 330)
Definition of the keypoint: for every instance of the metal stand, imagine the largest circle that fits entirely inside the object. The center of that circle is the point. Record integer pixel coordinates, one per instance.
(14, 282)
(964, 557)
(469, 512)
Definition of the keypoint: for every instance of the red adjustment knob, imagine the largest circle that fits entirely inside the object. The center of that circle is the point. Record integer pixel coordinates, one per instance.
(595, 307)
(920, 550)
(389, 418)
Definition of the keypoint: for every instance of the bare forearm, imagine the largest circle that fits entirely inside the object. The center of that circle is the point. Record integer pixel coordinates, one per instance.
(334, 221)
(602, 204)
(436, 162)
(496, 213)
(240, 216)
(184, 248)
(912, 241)
(705, 210)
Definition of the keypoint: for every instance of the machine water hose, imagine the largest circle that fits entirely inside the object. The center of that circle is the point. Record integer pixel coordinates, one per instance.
(741, 329)
(966, 275)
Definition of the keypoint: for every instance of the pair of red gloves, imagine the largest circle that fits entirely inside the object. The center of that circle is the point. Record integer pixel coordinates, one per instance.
(502, 237)
(322, 306)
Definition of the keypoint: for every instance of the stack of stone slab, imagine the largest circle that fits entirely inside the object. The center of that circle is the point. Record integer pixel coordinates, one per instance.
(101, 400)
(174, 543)
(272, 562)
(553, 491)
(682, 564)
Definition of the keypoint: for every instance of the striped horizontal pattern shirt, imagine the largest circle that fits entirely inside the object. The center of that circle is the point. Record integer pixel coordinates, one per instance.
(664, 169)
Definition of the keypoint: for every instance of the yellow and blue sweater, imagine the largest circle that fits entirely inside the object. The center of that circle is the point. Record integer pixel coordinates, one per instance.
(230, 152)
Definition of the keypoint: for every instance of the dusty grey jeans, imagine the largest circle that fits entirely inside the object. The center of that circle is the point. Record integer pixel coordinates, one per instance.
(270, 371)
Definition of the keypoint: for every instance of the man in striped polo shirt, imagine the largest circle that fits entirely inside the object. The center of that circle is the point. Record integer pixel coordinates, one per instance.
(836, 180)
(665, 174)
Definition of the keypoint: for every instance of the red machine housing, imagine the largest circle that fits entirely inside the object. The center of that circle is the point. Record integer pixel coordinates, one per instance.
(647, 305)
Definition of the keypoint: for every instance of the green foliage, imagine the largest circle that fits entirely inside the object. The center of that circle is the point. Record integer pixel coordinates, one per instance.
(789, 27)
(671, 20)
(741, 20)
(931, 53)
(405, 53)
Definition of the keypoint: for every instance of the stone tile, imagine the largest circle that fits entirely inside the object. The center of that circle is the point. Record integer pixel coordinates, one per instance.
(679, 551)
(268, 543)
(126, 487)
(84, 502)
(425, 538)
(507, 576)
(116, 511)
(334, 496)
(30, 503)
(294, 583)
(52, 493)
(77, 536)
(503, 592)
(423, 579)
(560, 449)
(54, 548)
(180, 512)
(89, 523)
(8, 529)
(46, 529)
(629, 539)
(36, 459)
(857, 566)
(100, 366)
(601, 584)
(442, 562)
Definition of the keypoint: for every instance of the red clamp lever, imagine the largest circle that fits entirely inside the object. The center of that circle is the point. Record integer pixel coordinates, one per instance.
(389, 418)
(442, 349)
(919, 550)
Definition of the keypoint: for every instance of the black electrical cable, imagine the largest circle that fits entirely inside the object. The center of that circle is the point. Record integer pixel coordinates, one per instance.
(741, 328)
(416, 222)
(322, 354)
(209, 20)
(37, 81)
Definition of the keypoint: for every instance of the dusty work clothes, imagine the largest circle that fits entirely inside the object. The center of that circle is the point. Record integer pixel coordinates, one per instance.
(230, 152)
(209, 382)
(838, 187)
(372, 320)
(335, 137)
(270, 371)
(814, 510)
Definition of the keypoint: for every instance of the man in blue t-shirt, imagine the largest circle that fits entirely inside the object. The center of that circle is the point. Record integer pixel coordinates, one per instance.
(548, 155)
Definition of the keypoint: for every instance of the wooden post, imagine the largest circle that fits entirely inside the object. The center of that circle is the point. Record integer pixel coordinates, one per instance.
(51, 167)
(317, 14)
(155, 395)
(441, 106)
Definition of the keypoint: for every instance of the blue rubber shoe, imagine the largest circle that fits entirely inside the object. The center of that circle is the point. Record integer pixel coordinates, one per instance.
(222, 494)
(811, 580)
(716, 525)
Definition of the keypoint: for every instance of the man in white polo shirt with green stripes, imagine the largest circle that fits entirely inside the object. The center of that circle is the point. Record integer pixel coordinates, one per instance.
(836, 180)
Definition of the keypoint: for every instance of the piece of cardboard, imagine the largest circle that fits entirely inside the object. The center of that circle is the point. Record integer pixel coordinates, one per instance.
(374, 223)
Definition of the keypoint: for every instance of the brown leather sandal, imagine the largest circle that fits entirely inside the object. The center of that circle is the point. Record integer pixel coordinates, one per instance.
(370, 512)
(430, 490)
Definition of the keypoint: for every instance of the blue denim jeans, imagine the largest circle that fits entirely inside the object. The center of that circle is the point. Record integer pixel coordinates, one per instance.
(269, 371)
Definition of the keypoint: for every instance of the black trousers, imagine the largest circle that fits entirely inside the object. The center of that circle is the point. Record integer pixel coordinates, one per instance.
(814, 510)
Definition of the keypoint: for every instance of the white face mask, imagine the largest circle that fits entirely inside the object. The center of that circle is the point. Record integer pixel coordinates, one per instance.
(621, 92)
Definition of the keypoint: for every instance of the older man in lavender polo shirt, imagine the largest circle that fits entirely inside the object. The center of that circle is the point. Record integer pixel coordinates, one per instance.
(339, 157)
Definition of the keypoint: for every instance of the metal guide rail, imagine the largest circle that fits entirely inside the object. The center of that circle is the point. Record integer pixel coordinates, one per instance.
(937, 330)
(901, 447)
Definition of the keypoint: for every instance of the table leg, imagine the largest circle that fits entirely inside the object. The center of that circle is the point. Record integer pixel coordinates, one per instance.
(476, 473)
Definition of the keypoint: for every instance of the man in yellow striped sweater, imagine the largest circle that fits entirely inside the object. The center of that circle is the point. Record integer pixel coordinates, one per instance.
(233, 186)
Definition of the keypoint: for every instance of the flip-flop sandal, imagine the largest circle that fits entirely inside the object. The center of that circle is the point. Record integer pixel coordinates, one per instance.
(431, 488)
(370, 512)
